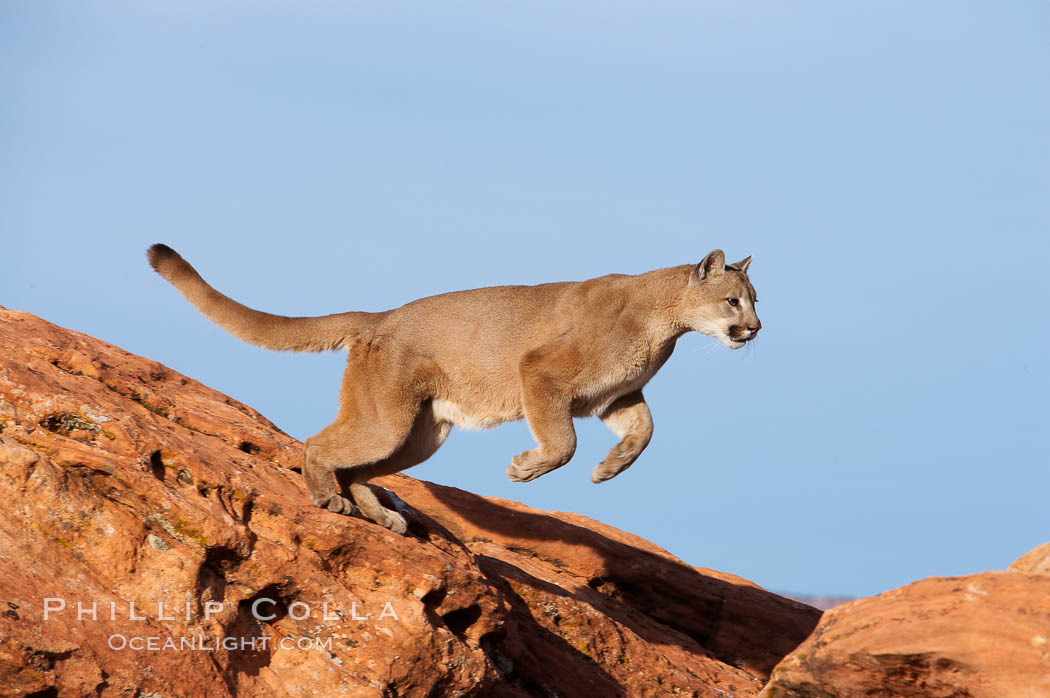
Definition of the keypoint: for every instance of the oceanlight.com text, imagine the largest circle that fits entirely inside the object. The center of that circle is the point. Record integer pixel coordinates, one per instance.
(153, 643)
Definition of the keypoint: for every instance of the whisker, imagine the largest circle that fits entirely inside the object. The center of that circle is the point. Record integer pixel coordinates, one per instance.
(711, 346)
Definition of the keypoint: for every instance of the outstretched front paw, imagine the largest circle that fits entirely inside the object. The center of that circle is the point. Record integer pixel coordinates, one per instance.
(526, 466)
(619, 459)
(606, 471)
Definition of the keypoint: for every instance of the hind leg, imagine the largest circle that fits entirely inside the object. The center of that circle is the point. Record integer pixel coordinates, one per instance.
(426, 437)
(319, 484)
(374, 420)
(348, 443)
(629, 417)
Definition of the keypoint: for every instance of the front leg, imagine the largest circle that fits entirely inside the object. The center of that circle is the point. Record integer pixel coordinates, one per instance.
(548, 414)
(630, 418)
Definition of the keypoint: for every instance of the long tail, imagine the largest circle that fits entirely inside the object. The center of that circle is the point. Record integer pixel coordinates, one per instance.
(262, 329)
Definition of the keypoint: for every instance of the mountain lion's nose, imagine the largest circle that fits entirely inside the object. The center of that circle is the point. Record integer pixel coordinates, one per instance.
(755, 329)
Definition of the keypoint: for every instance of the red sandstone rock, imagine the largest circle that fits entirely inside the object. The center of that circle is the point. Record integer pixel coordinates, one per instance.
(126, 483)
(1035, 561)
(980, 636)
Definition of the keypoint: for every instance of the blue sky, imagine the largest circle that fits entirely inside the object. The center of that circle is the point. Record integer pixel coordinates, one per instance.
(887, 165)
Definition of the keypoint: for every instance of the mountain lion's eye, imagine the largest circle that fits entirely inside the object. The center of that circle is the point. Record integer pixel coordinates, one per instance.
(733, 301)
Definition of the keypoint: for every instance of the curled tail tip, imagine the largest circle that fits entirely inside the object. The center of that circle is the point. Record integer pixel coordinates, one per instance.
(160, 255)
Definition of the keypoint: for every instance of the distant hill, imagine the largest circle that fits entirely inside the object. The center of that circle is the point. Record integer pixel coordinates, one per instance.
(821, 602)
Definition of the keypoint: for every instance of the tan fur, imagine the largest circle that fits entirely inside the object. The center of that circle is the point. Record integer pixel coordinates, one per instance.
(479, 358)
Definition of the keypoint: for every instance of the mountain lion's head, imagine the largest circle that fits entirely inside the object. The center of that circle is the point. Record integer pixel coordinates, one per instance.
(720, 301)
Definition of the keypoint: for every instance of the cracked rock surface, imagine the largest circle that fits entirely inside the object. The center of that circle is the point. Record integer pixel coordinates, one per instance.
(982, 635)
(169, 527)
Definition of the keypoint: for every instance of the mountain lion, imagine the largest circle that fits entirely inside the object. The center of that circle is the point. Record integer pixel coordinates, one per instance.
(478, 358)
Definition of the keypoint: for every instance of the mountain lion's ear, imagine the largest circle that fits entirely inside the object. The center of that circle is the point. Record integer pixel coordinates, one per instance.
(742, 265)
(712, 265)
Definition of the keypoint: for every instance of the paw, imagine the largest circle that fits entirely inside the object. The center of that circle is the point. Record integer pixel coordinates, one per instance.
(340, 505)
(525, 467)
(607, 471)
(395, 522)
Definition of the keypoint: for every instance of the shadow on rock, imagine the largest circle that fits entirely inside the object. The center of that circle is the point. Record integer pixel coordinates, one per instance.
(659, 598)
